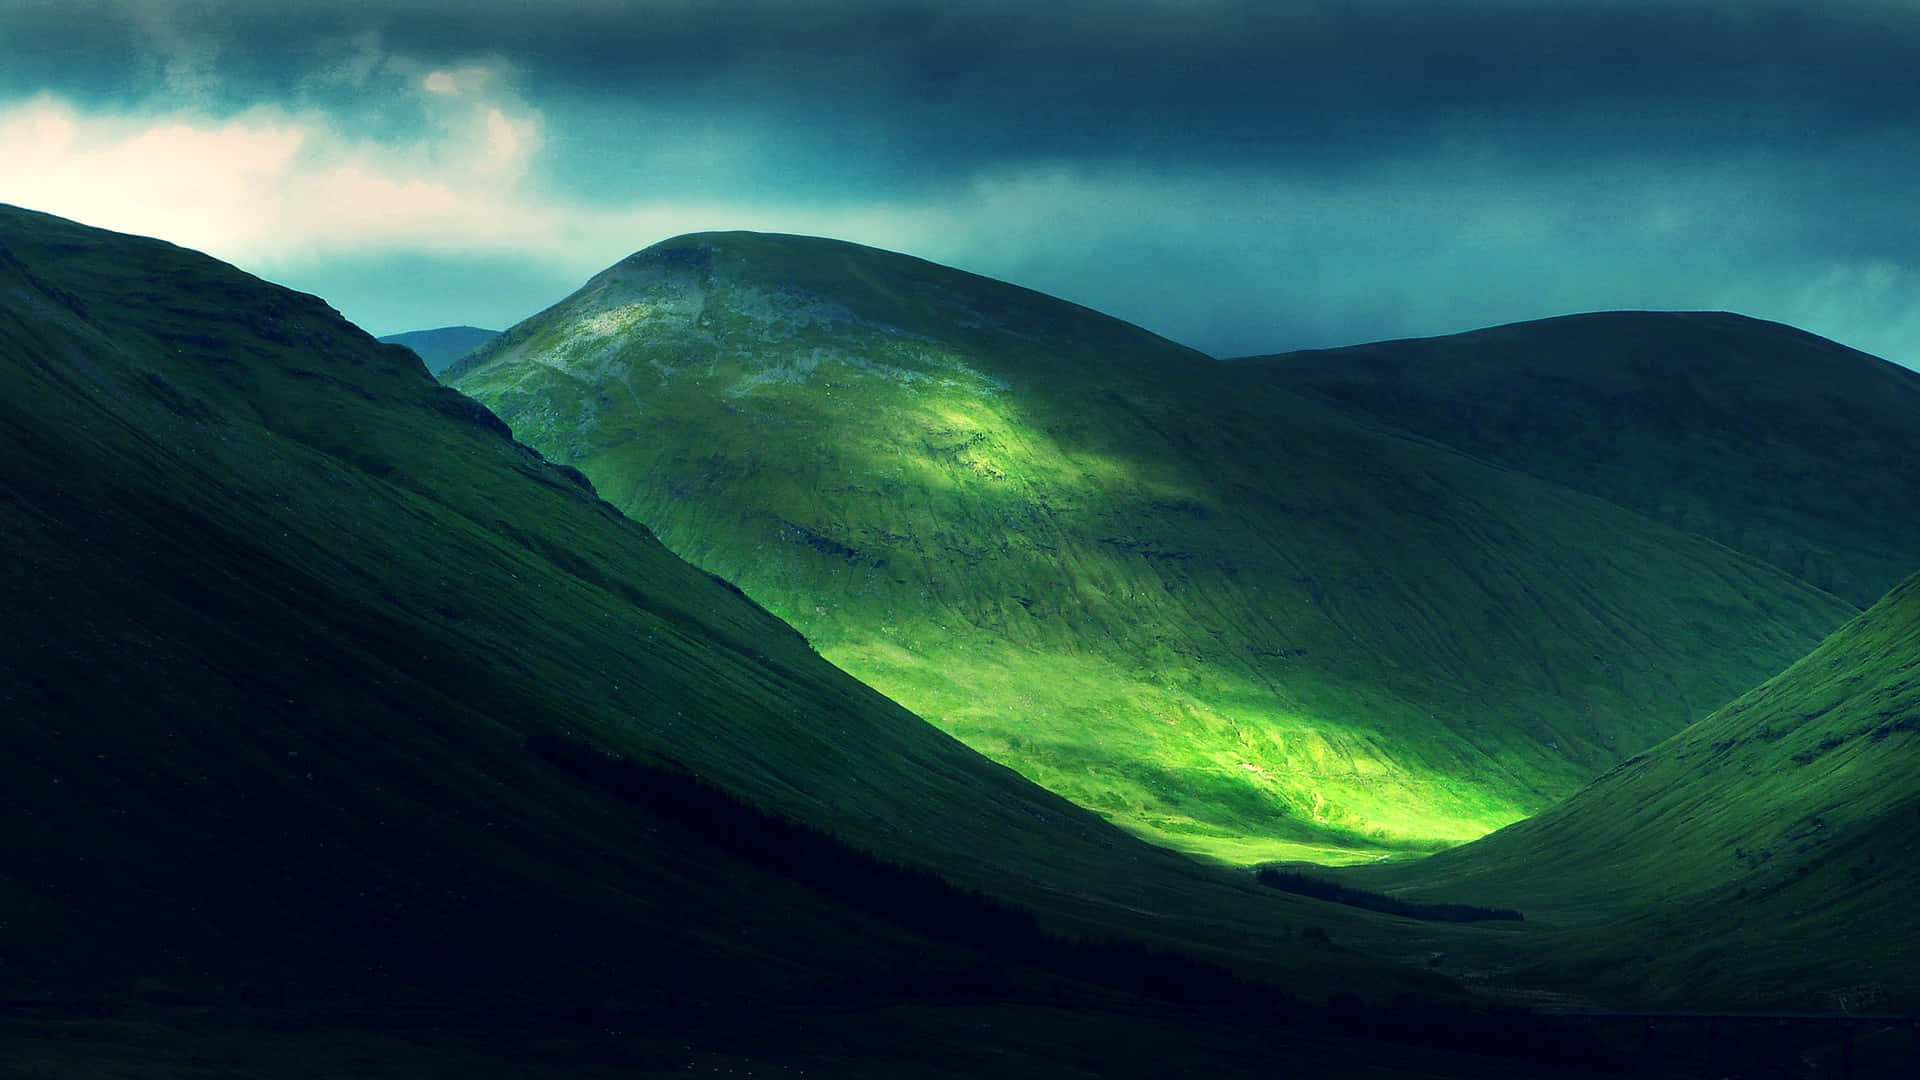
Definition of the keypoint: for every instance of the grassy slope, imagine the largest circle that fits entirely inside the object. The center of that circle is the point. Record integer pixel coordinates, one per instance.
(1772, 441)
(283, 609)
(1174, 591)
(1766, 854)
(439, 348)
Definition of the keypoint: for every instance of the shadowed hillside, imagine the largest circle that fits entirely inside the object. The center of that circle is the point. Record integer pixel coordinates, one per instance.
(1765, 856)
(1770, 440)
(285, 613)
(345, 736)
(1171, 589)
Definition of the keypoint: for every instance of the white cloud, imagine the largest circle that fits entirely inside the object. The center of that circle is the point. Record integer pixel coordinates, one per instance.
(1200, 255)
(470, 80)
(273, 187)
(510, 140)
(268, 184)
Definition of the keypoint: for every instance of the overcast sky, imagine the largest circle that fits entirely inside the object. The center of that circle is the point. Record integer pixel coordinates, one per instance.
(1239, 176)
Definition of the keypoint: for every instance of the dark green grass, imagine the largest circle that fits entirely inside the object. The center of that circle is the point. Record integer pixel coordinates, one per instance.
(284, 615)
(1048, 1033)
(1763, 857)
(1174, 591)
(1777, 443)
(287, 614)
(283, 612)
(1322, 889)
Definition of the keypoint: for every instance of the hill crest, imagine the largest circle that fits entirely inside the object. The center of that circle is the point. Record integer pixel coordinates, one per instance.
(1776, 442)
(1761, 857)
(295, 610)
(1025, 519)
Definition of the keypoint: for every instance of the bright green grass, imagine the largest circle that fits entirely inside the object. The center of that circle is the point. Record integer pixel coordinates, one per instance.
(283, 609)
(289, 608)
(1216, 612)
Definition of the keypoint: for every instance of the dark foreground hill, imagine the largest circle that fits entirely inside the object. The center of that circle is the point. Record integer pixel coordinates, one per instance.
(1764, 857)
(1171, 589)
(337, 726)
(440, 348)
(1775, 442)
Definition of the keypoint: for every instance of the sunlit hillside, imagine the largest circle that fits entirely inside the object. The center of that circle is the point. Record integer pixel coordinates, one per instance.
(1218, 612)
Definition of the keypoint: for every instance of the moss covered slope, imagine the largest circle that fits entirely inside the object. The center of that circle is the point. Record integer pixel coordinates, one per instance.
(1764, 856)
(1173, 590)
(281, 612)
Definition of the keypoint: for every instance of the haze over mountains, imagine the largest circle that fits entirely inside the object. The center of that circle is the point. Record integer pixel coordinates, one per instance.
(1218, 610)
(346, 735)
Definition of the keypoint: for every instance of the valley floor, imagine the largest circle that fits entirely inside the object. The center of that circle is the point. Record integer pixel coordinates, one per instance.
(1055, 1037)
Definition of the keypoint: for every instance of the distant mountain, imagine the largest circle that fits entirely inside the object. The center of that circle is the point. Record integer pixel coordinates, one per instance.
(439, 348)
(1765, 856)
(283, 616)
(1215, 610)
(1777, 443)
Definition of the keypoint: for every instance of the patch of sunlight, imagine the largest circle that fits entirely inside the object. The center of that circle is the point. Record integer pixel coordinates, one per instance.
(1248, 851)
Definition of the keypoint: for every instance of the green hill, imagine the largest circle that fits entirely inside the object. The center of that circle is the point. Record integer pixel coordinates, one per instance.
(1763, 857)
(440, 348)
(1171, 589)
(283, 613)
(309, 692)
(1777, 443)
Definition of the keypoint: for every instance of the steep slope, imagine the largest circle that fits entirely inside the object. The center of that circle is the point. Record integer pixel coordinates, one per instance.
(1777, 443)
(282, 612)
(1764, 856)
(1211, 609)
(441, 347)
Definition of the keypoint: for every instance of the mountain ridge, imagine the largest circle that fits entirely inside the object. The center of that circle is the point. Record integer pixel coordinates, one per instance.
(1767, 438)
(324, 740)
(985, 524)
(1763, 857)
(818, 266)
(296, 608)
(441, 346)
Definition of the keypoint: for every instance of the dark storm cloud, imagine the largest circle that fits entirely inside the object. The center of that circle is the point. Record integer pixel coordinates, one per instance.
(960, 80)
(1241, 175)
(1248, 79)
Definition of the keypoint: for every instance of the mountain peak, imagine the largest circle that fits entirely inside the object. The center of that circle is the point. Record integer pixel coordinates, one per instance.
(441, 346)
(292, 607)
(734, 295)
(1058, 535)
(1694, 418)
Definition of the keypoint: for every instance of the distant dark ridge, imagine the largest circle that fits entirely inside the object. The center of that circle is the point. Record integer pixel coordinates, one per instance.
(1321, 889)
(927, 903)
(440, 347)
(1780, 444)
